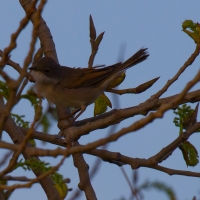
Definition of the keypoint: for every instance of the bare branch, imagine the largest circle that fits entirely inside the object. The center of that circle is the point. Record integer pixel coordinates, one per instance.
(139, 89)
(17, 137)
(15, 66)
(15, 35)
(25, 179)
(44, 33)
(190, 60)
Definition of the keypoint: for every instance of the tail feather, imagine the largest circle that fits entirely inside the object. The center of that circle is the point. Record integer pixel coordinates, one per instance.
(138, 57)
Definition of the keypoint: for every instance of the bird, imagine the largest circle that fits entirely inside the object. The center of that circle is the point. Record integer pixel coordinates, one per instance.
(77, 87)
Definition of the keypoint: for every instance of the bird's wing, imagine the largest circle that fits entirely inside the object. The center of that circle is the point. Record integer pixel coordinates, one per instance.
(84, 77)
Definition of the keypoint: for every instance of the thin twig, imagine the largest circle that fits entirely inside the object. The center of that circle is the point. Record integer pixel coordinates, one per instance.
(129, 183)
(15, 66)
(140, 123)
(190, 60)
(11, 100)
(18, 97)
(35, 180)
(14, 36)
(25, 179)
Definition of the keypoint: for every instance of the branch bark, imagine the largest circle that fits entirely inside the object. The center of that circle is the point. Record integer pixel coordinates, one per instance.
(17, 137)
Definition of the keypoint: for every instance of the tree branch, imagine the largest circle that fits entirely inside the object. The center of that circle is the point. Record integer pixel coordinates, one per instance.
(190, 60)
(17, 137)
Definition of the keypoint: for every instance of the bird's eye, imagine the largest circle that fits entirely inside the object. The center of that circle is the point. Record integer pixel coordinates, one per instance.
(47, 70)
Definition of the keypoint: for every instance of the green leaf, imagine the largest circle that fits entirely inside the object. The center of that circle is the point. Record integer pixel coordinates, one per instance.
(4, 91)
(45, 123)
(190, 153)
(20, 121)
(3, 182)
(32, 142)
(184, 112)
(195, 30)
(117, 81)
(40, 166)
(162, 187)
(32, 97)
(62, 189)
(101, 104)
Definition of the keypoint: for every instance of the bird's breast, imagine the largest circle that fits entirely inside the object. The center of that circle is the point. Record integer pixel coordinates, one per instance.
(64, 97)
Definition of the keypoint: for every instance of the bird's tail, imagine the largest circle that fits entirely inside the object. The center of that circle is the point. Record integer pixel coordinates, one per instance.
(116, 69)
(138, 57)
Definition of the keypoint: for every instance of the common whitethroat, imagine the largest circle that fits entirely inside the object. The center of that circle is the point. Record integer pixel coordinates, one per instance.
(77, 87)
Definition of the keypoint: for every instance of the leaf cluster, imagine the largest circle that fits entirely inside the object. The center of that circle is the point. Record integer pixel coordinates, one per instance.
(184, 115)
(194, 28)
(39, 166)
(19, 120)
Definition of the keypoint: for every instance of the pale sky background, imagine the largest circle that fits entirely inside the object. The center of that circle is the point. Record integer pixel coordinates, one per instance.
(152, 24)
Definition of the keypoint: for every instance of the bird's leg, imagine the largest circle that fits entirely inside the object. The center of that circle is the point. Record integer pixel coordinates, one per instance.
(67, 116)
(71, 121)
(83, 108)
(73, 113)
(75, 118)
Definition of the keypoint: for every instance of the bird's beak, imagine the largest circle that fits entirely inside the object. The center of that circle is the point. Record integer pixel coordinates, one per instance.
(33, 68)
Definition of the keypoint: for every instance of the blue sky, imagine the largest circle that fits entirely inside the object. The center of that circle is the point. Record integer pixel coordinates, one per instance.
(135, 24)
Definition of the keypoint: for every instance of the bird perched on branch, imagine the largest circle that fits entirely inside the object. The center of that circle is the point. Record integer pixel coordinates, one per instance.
(77, 87)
